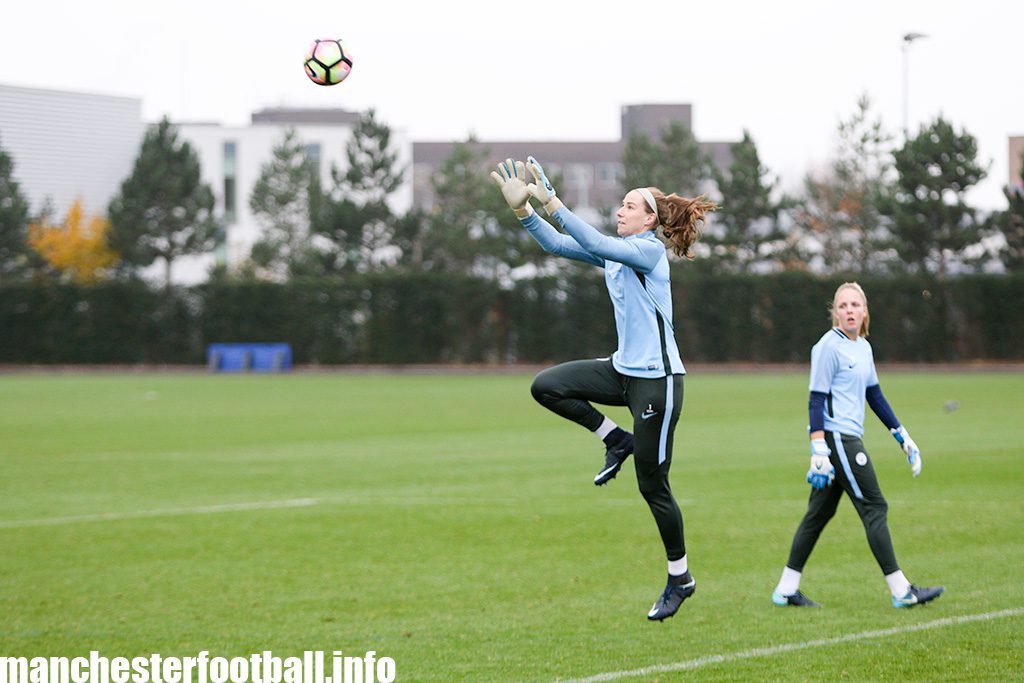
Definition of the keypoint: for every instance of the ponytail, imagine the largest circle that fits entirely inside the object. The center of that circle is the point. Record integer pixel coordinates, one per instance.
(682, 219)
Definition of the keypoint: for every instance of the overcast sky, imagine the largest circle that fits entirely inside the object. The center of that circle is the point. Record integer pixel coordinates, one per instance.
(787, 71)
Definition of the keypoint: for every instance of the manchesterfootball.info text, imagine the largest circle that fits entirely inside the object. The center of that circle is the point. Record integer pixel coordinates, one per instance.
(314, 666)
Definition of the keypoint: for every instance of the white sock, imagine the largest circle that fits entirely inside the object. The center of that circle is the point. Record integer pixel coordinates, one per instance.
(678, 567)
(789, 583)
(605, 429)
(898, 584)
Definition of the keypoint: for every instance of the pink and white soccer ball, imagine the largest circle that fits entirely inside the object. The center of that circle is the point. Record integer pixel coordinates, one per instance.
(328, 61)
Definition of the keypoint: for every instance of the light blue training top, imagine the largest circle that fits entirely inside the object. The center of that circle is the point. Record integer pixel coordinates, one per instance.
(636, 273)
(843, 369)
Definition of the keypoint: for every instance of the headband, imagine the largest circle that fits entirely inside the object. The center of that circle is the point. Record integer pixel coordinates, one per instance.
(650, 202)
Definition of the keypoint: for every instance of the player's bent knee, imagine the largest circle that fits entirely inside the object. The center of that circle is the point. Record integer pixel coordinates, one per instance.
(543, 390)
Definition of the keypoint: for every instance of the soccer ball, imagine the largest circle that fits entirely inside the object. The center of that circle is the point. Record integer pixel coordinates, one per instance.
(328, 61)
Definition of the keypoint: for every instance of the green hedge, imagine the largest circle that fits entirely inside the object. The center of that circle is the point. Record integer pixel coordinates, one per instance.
(431, 318)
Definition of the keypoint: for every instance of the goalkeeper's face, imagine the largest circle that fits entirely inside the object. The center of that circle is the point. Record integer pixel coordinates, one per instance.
(849, 311)
(634, 217)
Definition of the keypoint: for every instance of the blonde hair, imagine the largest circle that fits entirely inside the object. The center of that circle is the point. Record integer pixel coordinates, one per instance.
(864, 298)
(681, 219)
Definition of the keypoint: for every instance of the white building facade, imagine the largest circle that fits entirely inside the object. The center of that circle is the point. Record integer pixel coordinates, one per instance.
(233, 157)
(67, 146)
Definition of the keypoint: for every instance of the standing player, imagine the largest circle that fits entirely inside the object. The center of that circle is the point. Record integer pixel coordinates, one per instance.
(645, 373)
(843, 377)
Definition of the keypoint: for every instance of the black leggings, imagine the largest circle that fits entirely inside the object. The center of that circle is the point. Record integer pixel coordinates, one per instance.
(856, 477)
(568, 390)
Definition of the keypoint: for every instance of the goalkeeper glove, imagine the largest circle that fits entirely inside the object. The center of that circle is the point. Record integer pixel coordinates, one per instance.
(909, 447)
(541, 188)
(511, 178)
(821, 473)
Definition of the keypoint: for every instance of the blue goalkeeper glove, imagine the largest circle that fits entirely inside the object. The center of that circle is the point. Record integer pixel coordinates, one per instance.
(821, 473)
(541, 188)
(909, 447)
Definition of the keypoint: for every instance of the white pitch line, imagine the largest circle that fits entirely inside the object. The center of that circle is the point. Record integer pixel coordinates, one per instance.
(239, 507)
(789, 647)
(167, 512)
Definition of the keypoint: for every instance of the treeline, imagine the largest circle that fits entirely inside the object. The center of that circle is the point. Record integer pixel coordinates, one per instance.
(881, 205)
(391, 318)
(345, 279)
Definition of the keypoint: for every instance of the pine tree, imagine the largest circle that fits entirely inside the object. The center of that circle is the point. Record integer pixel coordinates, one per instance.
(354, 215)
(673, 163)
(471, 229)
(746, 229)
(1011, 224)
(14, 216)
(281, 200)
(464, 208)
(164, 210)
(840, 209)
(373, 169)
(932, 223)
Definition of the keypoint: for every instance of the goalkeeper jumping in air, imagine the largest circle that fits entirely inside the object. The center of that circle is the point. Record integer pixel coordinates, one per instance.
(843, 377)
(645, 373)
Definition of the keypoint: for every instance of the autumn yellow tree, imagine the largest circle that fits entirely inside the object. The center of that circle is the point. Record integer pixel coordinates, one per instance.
(77, 248)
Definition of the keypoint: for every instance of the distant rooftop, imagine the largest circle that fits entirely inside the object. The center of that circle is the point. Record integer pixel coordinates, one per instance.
(277, 115)
(435, 153)
(65, 94)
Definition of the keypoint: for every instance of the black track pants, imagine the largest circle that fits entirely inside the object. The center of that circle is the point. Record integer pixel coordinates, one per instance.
(855, 476)
(570, 389)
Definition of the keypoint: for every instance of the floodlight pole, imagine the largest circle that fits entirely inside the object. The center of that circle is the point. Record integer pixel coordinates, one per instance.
(907, 40)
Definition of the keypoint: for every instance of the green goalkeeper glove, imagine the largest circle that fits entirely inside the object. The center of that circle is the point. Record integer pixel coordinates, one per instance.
(511, 178)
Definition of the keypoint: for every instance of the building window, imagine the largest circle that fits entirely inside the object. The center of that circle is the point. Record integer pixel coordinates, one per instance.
(230, 182)
(313, 157)
(610, 174)
(578, 175)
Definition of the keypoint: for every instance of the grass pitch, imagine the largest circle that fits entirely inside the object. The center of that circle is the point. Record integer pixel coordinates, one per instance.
(450, 523)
